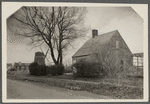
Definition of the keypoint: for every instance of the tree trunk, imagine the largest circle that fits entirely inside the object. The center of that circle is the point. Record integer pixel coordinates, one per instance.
(52, 54)
(60, 57)
(53, 57)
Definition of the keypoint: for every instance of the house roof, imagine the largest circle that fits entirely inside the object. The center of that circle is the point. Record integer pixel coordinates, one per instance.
(92, 43)
(9, 64)
(16, 64)
(22, 64)
(137, 55)
(27, 64)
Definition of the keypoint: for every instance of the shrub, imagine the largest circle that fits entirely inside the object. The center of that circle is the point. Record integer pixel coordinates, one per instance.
(86, 69)
(68, 71)
(60, 69)
(32, 68)
(51, 70)
(55, 69)
(39, 70)
(12, 69)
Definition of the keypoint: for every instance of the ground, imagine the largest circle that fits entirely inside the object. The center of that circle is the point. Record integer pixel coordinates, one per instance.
(135, 85)
(32, 90)
(130, 81)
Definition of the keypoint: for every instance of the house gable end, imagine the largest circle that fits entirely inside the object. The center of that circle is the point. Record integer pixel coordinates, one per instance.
(93, 44)
(122, 42)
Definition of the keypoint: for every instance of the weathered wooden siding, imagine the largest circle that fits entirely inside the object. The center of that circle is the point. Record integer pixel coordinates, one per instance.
(114, 53)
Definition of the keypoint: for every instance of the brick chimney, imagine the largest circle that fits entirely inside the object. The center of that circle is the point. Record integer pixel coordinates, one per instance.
(94, 33)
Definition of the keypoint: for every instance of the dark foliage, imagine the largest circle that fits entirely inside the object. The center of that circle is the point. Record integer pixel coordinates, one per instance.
(56, 69)
(86, 69)
(68, 71)
(12, 69)
(39, 70)
(32, 68)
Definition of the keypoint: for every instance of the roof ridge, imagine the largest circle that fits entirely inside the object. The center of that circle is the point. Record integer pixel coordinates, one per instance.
(94, 42)
(108, 32)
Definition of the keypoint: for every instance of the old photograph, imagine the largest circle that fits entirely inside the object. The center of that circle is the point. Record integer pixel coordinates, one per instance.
(75, 53)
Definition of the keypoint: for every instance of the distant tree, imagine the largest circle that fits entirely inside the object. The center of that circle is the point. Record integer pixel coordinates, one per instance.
(58, 27)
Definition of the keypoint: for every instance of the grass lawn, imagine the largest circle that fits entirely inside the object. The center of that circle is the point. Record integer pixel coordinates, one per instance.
(108, 86)
(129, 81)
(125, 81)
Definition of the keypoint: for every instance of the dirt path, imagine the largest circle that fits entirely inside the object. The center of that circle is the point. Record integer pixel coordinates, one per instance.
(31, 90)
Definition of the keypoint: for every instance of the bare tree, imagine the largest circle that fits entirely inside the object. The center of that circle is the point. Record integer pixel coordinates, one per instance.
(104, 56)
(58, 27)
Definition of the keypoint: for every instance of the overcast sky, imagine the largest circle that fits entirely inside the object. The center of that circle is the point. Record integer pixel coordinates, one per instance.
(104, 19)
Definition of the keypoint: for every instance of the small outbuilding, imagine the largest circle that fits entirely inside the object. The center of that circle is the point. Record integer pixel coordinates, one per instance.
(39, 58)
(109, 49)
(9, 65)
(22, 65)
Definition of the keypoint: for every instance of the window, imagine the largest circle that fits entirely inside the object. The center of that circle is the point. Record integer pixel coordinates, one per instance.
(138, 61)
(117, 44)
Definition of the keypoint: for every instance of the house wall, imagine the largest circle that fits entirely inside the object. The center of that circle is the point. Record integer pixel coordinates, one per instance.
(121, 56)
(117, 54)
(88, 58)
(114, 54)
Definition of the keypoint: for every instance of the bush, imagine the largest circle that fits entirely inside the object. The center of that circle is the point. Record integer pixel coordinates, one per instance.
(39, 70)
(12, 69)
(55, 69)
(68, 71)
(85, 69)
(60, 69)
(32, 68)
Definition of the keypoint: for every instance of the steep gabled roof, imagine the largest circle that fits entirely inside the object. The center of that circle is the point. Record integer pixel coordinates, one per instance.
(92, 43)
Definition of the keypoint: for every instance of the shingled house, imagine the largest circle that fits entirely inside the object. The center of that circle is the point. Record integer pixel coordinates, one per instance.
(109, 49)
(23, 65)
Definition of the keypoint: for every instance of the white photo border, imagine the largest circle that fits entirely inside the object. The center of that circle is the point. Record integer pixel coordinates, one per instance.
(10, 7)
